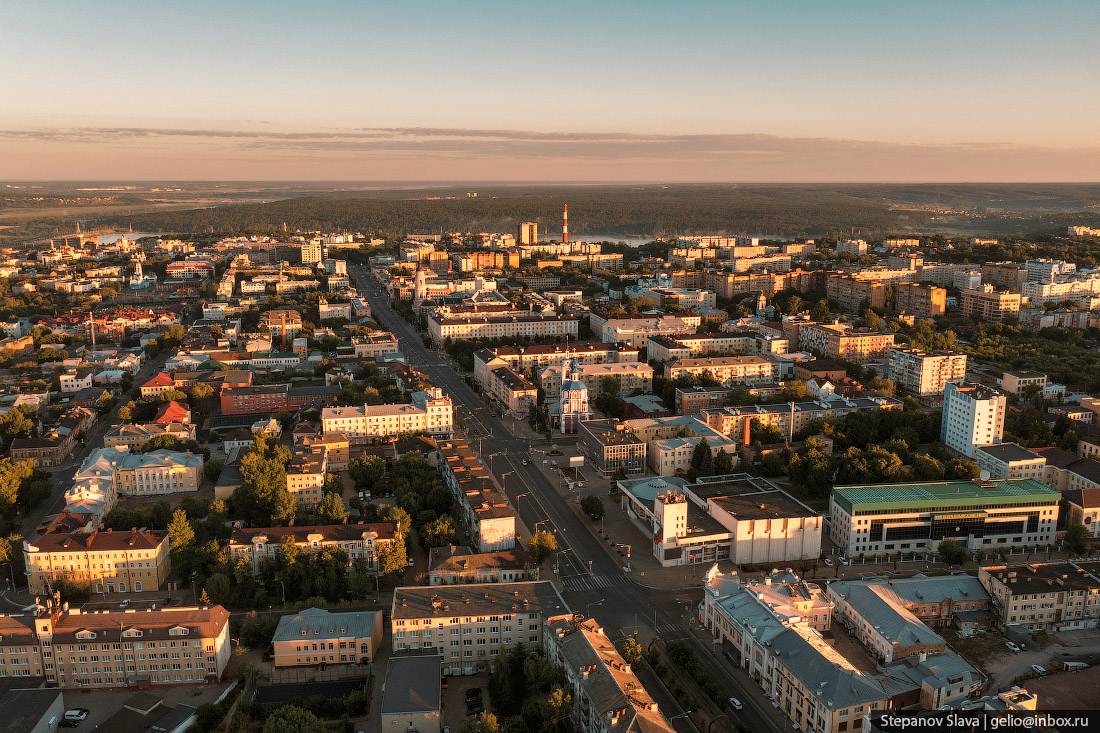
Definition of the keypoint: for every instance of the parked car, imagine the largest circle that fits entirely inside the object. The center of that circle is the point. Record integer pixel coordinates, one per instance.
(525, 461)
(76, 714)
(735, 703)
(1038, 669)
(474, 693)
(1012, 646)
(828, 562)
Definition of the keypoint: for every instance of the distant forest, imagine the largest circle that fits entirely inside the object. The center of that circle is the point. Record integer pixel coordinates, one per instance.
(596, 211)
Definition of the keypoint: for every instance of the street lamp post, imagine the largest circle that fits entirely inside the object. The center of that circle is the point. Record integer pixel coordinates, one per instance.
(503, 483)
(283, 586)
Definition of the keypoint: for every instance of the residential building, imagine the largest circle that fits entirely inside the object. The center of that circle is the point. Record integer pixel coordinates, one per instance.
(1019, 382)
(1009, 460)
(269, 398)
(507, 324)
(284, 323)
(607, 696)
(60, 636)
(920, 300)
(631, 376)
(728, 370)
(666, 348)
(336, 446)
(528, 233)
(637, 331)
(312, 252)
(57, 444)
(611, 448)
(157, 385)
(73, 382)
(110, 562)
(158, 472)
(468, 624)
(316, 636)
(693, 400)
(536, 357)
(852, 293)
(484, 512)
(135, 436)
(514, 393)
(376, 344)
(844, 342)
(430, 412)
(736, 422)
(327, 310)
(934, 600)
(1084, 508)
(1047, 597)
(988, 305)
(811, 682)
(973, 416)
(451, 565)
(30, 710)
(359, 540)
(924, 373)
(305, 474)
(172, 412)
(1007, 276)
(643, 406)
(191, 269)
(995, 515)
(412, 694)
(737, 517)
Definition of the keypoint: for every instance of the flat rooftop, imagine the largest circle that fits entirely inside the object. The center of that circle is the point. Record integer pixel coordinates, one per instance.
(944, 494)
(1009, 453)
(749, 497)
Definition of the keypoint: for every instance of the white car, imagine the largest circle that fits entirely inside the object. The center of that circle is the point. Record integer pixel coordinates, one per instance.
(1012, 646)
(1038, 669)
(828, 562)
(735, 703)
(76, 714)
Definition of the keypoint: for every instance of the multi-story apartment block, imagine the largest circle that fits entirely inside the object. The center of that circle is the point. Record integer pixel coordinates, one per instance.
(844, 342)
(191, 269)
(607, 696)
(312, 252)
(284, 323)
(815, 686)
(508, 324)
(920, 300)
(269, 398)
(468, 624)
(611, 448)
(728, 370)
(885, 519)
(736, 422)
(430, 413)
(537, 357)
(1018, 382)
(922, 372)
(336, 446)
(169, 646)
(973, 416)
(631, 376)
(853, 293)
(1009, 460)
(637, 331)
(315, 636)
(376, 344)
(528, 233)
(989, 305)
(484, 511)
(305, 474)
(1084, 508)
(158, 472)
(135, 436)
(360, 540)
(1007, 276)
(693, 400)
(857, 247)
(514, 393)
(666, 348)
(1048, 270)
(1044, 596)
(110, 562)
(451, 565)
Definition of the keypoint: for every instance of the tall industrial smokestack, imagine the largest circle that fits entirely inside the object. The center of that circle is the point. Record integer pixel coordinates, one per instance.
(565, 223)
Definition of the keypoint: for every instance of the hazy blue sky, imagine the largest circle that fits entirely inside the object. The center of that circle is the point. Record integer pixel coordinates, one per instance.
(561, 91)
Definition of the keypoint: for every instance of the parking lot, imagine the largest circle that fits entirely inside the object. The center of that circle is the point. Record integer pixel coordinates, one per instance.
(454, 698)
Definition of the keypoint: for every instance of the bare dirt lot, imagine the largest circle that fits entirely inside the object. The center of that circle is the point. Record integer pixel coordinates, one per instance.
(1067, 691)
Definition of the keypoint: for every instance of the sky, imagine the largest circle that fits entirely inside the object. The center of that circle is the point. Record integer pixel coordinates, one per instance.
(539, 91)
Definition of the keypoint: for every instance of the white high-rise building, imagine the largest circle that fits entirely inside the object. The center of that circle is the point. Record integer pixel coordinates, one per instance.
(923, 372)
(973, 416)
(312, 252)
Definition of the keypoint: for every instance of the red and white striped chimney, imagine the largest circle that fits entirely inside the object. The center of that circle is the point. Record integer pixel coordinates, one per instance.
(565, 223)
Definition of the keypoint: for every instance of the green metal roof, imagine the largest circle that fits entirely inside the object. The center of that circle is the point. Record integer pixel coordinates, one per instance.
(944, 494)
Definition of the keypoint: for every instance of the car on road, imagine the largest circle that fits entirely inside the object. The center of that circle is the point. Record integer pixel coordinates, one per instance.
(1012, 646)
(735, 703)
(525, 461)
(1037, 669)
(76, 714)
(828, 562)
(411, 560)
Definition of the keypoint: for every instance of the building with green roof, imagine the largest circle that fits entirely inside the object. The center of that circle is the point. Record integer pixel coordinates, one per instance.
(981, 515)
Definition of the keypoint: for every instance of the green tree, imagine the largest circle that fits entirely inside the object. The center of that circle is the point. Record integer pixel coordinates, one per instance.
(485, 722)
(1077, 538)
(367, 471)
(212, 469)
(181, 534)
(702, 462)
(12, 476)
(541, 546)
(293, 719)
(172, 395)
(392, 558)
(631, 651)
(439, 532)
(951, 552)
(331, 508)
(592, 505)
(15, 424)
(723, 463)
(219, 589)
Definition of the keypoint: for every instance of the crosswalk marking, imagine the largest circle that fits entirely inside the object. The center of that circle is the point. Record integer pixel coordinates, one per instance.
(592, 582)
